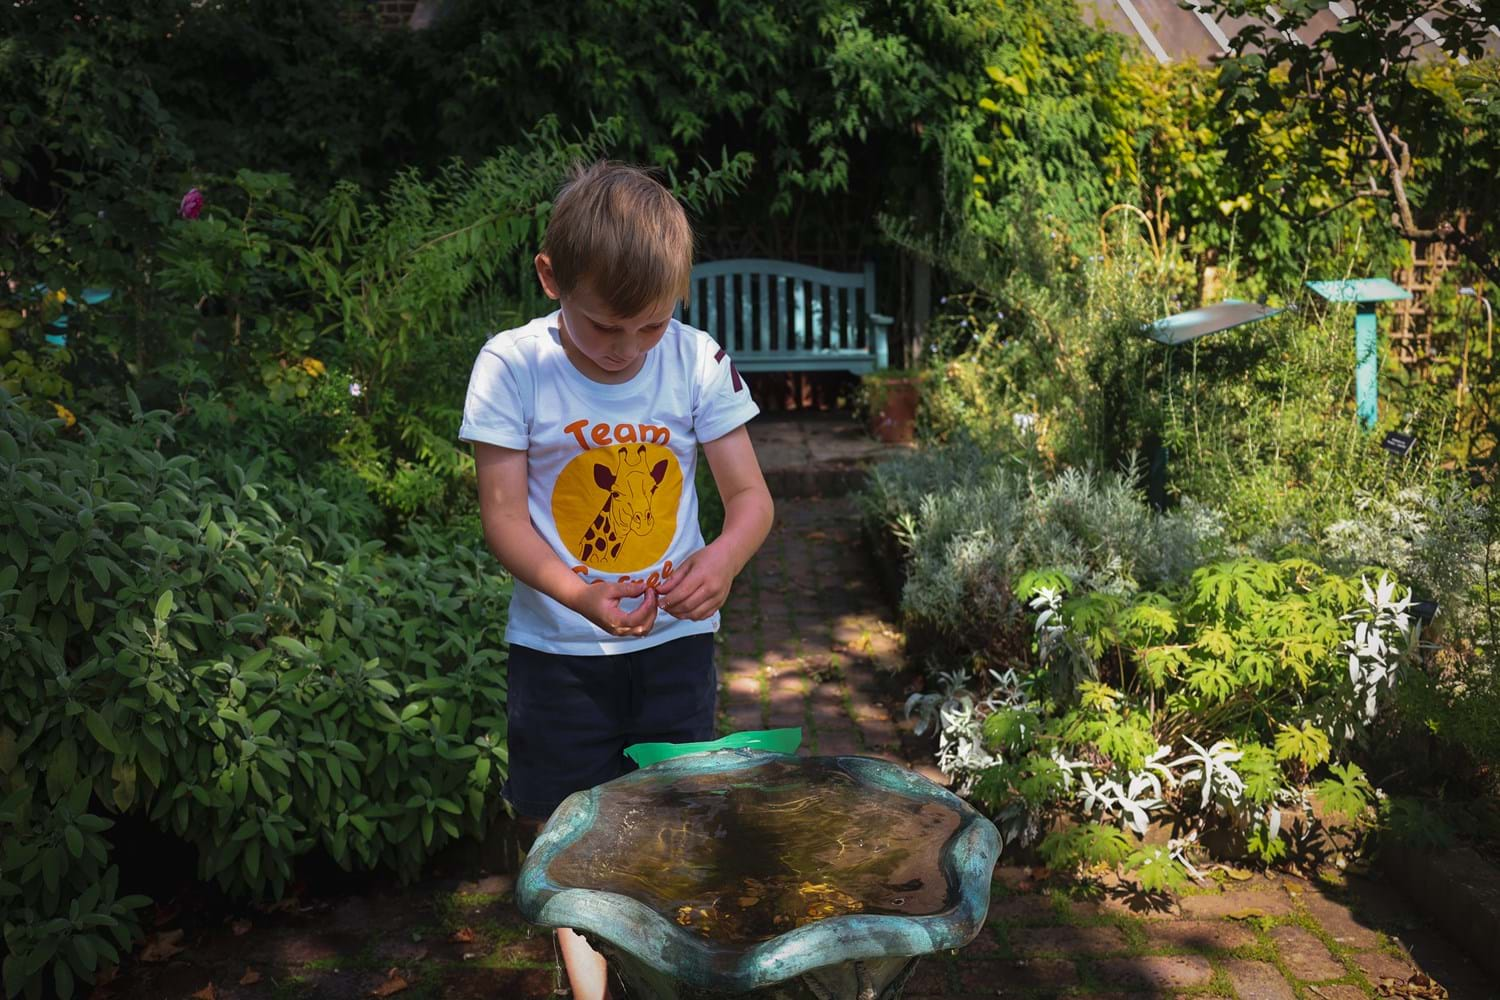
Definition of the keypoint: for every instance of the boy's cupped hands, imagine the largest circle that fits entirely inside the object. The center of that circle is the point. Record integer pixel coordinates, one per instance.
(600, 604)
(700, 585)
(695, 590)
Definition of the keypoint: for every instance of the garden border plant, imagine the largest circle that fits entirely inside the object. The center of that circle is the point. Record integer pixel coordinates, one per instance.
(229, 661)
(1208, 710)
(1210, 694)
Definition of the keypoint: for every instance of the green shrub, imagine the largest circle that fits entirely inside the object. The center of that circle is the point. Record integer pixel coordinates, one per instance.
(1257, 421)
(348, 314)
(1236, 698)
(229, 660)
(1434, 538)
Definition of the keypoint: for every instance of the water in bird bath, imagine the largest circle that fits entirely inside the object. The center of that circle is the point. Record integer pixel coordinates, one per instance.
(776, 846)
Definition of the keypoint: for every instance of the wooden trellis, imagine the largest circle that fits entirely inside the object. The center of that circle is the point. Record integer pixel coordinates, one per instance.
(1411, 328)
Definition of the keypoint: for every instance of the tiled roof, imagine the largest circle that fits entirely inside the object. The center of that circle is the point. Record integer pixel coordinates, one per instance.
(1172, 33)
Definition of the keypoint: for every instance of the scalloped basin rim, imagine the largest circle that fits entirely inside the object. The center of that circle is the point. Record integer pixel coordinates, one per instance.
(648, 936)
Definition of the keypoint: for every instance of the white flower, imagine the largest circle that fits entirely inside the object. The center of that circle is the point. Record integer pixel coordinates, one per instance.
(355, 389)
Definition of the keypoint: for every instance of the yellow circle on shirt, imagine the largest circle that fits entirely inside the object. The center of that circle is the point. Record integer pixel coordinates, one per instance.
(616, 508)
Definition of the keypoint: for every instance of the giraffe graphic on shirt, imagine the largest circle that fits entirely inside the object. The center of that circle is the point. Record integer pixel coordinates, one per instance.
(630, 488)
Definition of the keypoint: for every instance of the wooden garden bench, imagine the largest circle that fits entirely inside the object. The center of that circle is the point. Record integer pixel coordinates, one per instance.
(774, 315)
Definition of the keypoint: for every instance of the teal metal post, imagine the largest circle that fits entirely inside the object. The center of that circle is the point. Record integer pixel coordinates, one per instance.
(1364, 293)
(1366, 366)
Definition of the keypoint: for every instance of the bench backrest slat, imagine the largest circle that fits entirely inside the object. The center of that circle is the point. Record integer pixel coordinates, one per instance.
(783, 340)
(842, 314)
(801, 338)
(711, 308)
(729, 312)
(763, 305)
(747, 315)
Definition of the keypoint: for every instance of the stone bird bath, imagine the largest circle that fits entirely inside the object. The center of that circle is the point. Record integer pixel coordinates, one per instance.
(740, 873)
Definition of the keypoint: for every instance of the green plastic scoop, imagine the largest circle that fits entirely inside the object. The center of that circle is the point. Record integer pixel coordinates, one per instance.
(772, 740)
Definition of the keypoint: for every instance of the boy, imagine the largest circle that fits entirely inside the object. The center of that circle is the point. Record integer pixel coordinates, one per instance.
(585, 426)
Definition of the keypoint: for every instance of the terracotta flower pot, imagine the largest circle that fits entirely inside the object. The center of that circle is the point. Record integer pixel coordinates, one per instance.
(894, 419)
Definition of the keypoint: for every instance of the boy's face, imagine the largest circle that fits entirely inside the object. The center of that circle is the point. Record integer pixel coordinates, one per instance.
(605, 346)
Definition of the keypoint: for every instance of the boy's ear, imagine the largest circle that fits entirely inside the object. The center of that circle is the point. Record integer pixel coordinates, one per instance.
(546, 276)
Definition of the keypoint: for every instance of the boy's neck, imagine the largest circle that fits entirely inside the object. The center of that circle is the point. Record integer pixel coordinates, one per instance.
(587, 368)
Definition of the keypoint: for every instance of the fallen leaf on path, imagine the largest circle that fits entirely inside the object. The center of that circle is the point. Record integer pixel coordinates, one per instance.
(207, 993)
(250, 978)
(241, 927)
(1239, 874)
(1418, 987)
(160, 947)
(464, 935)
(395, 984)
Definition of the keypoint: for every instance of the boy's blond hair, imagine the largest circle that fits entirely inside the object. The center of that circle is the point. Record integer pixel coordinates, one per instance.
(617, 228)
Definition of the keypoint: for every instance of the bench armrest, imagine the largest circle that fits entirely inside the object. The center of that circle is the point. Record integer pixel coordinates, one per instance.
(880, 325)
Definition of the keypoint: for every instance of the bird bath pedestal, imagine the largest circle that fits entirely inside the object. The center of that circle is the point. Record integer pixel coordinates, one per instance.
(739, 873)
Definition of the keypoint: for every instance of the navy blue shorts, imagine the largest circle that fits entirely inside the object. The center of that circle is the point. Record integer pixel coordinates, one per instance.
(571, 717)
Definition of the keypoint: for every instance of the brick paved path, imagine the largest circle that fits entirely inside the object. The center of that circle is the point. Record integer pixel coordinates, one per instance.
(809, 641)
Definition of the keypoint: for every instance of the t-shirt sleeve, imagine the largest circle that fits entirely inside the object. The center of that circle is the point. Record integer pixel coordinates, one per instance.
(723, 401)
(494, 409)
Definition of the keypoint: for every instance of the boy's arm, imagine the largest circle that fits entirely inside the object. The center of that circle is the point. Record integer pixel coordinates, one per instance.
(699, 587)
(514, 541)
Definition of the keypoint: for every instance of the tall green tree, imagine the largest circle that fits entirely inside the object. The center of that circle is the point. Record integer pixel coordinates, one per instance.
(1373, 109)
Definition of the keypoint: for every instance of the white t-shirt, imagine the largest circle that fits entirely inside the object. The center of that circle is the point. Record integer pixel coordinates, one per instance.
(610, 468)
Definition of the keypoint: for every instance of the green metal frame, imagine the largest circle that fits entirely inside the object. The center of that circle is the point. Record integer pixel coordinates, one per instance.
(775, 315)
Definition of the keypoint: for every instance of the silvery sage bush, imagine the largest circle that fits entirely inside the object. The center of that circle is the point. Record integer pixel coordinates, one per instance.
(1441, 540)
(973, 522)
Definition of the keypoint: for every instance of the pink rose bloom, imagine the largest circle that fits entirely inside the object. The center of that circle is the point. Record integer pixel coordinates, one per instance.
(192, 204)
